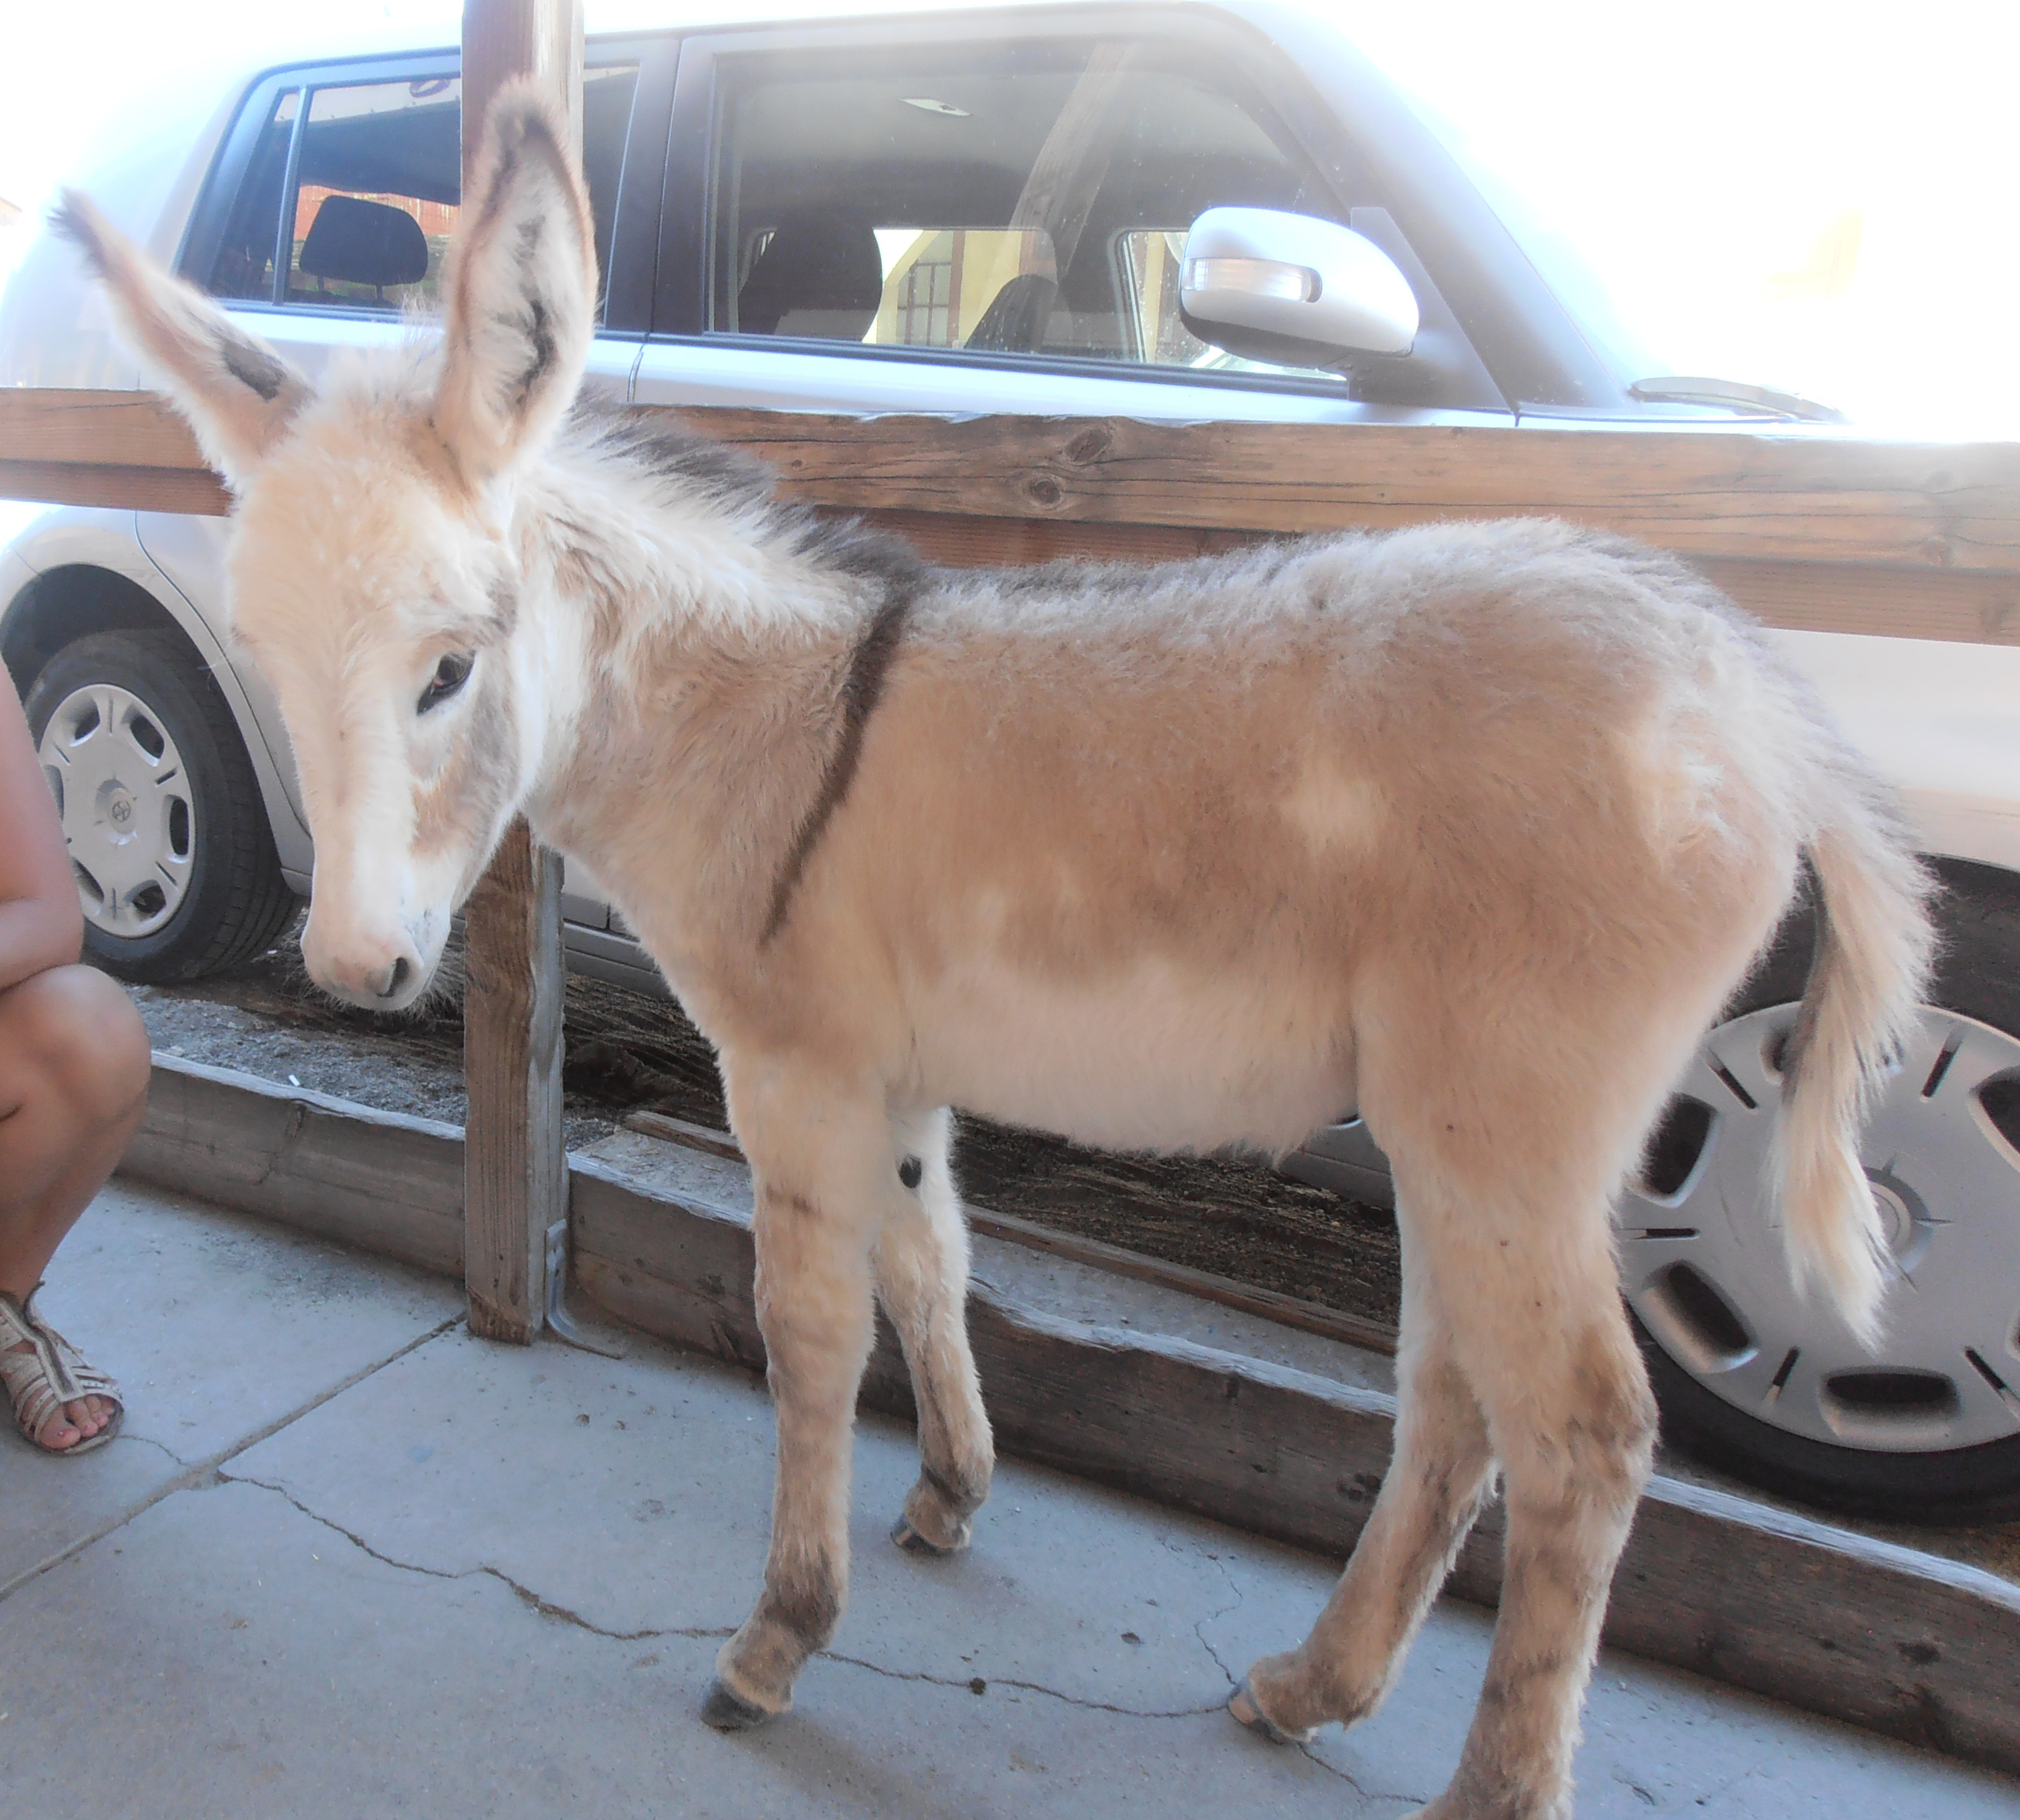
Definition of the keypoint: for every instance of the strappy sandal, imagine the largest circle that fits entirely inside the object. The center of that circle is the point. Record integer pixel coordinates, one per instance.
(38, 1382)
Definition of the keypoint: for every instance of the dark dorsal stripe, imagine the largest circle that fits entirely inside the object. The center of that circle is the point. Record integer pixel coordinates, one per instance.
(860, 691)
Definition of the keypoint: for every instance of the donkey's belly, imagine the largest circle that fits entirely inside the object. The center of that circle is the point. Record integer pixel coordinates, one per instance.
(1153, 1059)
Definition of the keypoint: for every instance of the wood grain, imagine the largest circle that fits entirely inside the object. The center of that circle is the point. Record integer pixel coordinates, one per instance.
(1757, 495)
(1765, 495)
(388, 1183)
(1817, 532)
(516, 1167)
(95, 428)
(135, 490)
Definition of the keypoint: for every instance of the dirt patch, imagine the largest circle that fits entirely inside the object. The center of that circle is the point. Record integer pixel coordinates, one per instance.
(626, 1051)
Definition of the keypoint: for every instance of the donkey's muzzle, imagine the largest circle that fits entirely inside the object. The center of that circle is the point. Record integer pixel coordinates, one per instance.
(382, 978)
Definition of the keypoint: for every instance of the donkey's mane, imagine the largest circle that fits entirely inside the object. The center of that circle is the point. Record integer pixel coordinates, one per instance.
(741, 486)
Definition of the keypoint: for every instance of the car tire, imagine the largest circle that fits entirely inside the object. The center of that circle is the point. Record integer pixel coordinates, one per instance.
(1960, 1314)
(161, 809)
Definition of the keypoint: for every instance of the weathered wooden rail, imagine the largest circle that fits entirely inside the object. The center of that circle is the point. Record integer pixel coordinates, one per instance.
(1814, 531)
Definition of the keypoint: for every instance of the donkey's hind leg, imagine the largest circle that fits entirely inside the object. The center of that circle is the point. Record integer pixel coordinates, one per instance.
(922, 1264)
(820, 1162)
(1572, 1422)
(1549, 1353)
(1430, 1497)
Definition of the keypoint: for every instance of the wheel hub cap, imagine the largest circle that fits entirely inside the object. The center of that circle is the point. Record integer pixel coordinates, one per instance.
(1702, 1264)
(125, 803)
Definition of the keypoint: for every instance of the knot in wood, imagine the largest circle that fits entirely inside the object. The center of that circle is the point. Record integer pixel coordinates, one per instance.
(1091, 444)
(1044, 491)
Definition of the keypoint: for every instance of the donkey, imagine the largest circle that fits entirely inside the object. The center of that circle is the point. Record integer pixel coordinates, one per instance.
(1475, 827)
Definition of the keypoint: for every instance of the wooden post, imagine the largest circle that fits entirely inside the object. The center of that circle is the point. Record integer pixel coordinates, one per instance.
(515, 1178)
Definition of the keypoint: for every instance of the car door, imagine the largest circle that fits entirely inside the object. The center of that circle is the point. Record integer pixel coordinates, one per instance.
(987, 214)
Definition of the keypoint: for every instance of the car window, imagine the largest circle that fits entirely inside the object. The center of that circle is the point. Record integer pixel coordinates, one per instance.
(244, 267)
(378, 178)
(354, 202)
(1025, 202)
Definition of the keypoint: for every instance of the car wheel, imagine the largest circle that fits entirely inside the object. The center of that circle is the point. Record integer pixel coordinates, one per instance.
(160, 809)
(1752, 1376)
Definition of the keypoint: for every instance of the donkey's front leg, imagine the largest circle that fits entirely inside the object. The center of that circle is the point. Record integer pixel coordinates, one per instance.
(818, 1164)
(921, 1259)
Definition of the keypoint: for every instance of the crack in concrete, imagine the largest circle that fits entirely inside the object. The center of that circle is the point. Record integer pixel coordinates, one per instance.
(1305, 1748)
(1355, 1783)
(208, 1473)
(966, 1685)
(147, 1440)
(204, 1472)
(547, 1607)
(1199, 1630)
(561, 1614)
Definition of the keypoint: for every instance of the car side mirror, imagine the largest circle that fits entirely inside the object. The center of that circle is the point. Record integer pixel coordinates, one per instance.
(1293, 290)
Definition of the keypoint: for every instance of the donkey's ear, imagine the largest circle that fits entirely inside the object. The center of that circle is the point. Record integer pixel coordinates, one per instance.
(236, 391)
(522, 291)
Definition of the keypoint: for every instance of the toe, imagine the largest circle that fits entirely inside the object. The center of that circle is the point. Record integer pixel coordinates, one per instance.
(58, 1437)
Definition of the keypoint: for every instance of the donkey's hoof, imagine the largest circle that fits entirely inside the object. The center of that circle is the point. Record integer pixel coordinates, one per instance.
(913, 1543)
(1242, 1703)
(726, 1711)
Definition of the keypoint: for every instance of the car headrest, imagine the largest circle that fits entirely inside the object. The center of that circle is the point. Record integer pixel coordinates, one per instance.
(364, 243)
(1014, 322)
(816, 276)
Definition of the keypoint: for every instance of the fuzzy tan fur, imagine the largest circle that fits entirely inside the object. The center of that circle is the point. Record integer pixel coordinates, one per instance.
(1475, 827)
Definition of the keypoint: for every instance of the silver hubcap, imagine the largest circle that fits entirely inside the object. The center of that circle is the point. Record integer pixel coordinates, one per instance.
(1702, 1263)
(126, 806)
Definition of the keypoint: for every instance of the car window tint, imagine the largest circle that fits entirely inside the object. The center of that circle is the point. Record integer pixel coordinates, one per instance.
(1032, 202)
(377, 183)
(244, 267)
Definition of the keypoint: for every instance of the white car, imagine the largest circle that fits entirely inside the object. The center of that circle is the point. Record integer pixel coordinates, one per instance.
(981, 211)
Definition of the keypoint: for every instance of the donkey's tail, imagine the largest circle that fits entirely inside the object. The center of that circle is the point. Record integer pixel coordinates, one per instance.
(1875, 942)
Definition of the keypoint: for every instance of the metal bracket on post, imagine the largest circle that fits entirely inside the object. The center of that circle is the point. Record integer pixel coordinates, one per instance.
(560, 1324)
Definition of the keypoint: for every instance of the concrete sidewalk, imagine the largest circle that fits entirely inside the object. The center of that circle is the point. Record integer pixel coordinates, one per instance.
(346, 1560)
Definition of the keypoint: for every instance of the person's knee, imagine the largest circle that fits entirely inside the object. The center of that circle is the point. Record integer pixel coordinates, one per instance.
(87, 1036)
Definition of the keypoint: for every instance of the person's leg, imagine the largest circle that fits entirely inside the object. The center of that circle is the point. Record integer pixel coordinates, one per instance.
(74, 1065)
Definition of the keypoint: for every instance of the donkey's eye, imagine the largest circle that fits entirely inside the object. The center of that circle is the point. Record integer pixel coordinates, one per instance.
(450, 675)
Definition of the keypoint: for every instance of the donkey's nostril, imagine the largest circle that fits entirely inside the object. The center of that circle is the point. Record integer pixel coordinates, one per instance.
(402, 967)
